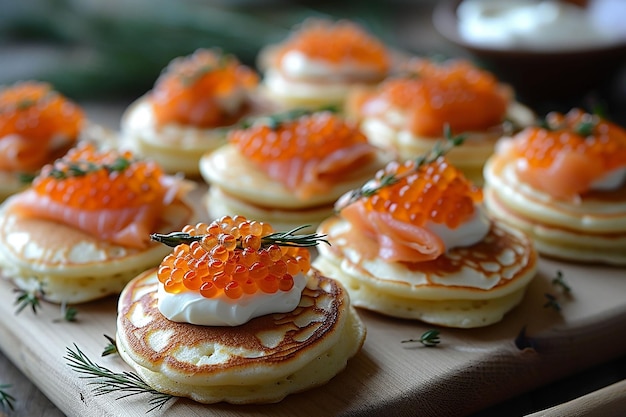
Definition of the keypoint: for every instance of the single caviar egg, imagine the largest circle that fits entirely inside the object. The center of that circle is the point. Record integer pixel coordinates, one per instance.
(205, 89)
(219, 260)
(37, 125)
(432, 95)
(572, 151)
(436, 192)
(88, 179)
(341, 42)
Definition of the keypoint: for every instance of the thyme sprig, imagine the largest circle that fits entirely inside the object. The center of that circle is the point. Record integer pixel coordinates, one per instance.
(111, 348)
(6, 399)
(105, 381)
(30, 298)
(429, 338)
(83, 168)
(552, 302)
(558, 280)
(372, 187)
(289, 238)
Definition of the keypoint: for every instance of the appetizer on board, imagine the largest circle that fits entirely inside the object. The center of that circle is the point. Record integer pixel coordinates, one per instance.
(408, 111)
(288, 169)
(414, 243)
(81, 231)
(37, 126)
(321, 62)
(235, 313)
(193, 103)
(564, 184)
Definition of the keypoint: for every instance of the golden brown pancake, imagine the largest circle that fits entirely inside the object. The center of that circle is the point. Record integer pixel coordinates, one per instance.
(466, 287)
(72, 266)
(260, 361)
(592, 229)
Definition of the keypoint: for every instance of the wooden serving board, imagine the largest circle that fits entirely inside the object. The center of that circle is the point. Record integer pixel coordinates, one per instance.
(471, 369)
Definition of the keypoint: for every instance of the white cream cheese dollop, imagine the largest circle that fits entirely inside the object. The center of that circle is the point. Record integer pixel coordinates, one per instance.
(191, 307)
(466, 234)
(540, 25)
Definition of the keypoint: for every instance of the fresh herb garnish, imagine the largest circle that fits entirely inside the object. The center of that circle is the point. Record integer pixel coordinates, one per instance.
(430, 338)
(106, 381)
(560, 281)
(111, 348)
(67, 313)
(289, 238)
(552, 302)
(371, 187)
(30, 298)
(274, 121)
(6, 400)
(86, 167)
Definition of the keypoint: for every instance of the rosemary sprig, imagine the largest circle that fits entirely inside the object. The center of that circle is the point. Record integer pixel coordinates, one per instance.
(84, 168)
(289, 238)
(111, 348)
(430, 338)
(28, 298)
(558, 280)
(6, 399)
(371, 187)
(106, 381)
(552, 302)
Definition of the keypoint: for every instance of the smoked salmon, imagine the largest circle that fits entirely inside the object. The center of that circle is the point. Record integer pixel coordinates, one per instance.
(307, 152)
(569, 154)
(392, 222)
(107, 194)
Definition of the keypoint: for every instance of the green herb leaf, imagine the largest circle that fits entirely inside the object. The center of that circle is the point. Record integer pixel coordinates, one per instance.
(430, 338)
(29, 298)
(6, 400)
(111, 348)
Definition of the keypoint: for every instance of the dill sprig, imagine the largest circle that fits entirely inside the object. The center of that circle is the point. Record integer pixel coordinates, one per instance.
(429, 338)
(274, 121)
(372, 187)
(552, 302)
(106, 381)
(111, 348)
(6, 399)
(289, 238)
(30, 298)
(80, 169)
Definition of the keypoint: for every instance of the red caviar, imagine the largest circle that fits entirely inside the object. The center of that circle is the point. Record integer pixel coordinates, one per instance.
(337, 42)
(88, 179)
(193, 90)
(570, 153)
(46, 123)
(436, 192)
(222, 263)
(455, 93)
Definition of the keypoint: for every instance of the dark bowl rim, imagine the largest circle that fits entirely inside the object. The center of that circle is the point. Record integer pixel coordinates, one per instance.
(444, 20)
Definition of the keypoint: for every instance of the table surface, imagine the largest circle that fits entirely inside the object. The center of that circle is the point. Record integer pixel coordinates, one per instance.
(584, 387)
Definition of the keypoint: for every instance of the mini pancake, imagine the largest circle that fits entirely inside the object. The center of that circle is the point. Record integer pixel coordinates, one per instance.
(261, 361)
(237, 186)
(592, 229)
(72, 266)
(466, 287)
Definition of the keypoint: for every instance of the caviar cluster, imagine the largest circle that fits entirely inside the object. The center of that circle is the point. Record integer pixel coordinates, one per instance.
(231, 258)
(447, 93)
(308, 137)
(34, 111)
(338, 43)
(436, 192)
(578, 132)
(192, 90)
(90, 179)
